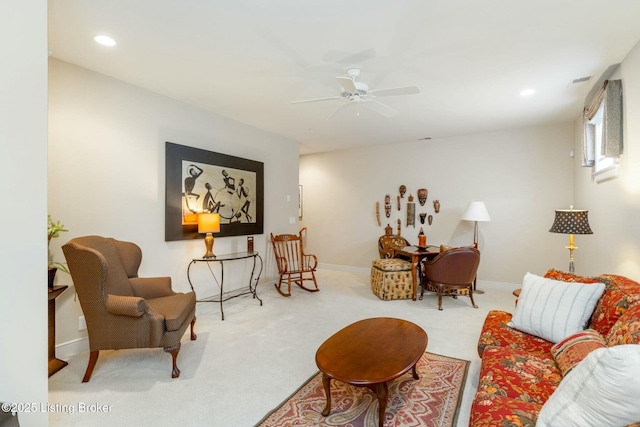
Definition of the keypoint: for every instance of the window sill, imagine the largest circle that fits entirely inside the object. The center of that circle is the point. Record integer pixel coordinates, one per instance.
(605, 174)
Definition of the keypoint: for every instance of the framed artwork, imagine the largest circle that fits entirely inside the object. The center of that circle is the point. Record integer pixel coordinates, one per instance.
(204, 181)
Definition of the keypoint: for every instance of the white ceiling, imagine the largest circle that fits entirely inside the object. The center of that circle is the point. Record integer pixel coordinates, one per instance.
(247, 59)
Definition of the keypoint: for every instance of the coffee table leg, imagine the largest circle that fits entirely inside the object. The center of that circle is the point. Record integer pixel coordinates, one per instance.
(326, 382)
(415, 372)
(383, 395)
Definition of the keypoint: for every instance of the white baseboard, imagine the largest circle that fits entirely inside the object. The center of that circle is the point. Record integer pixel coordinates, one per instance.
(69, 348)
(346, 268)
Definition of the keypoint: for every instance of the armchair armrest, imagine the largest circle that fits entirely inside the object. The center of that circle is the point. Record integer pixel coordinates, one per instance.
(126, 306)
(151, 287)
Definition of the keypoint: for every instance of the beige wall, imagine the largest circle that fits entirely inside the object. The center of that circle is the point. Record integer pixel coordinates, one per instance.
(522, 175)
(614, 205)
(107, 177)
(23, 171)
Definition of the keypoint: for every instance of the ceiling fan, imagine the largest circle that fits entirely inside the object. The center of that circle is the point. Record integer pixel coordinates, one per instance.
(352, 91)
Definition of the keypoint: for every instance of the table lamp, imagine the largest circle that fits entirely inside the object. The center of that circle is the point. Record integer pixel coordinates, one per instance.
(476, 211)
(571, 222)
(208, 223)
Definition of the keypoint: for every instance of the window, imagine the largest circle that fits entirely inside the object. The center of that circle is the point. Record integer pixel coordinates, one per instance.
(603, 131)
(603, 167)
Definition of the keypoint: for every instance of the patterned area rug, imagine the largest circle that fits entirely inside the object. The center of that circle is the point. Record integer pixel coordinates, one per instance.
(433, 400)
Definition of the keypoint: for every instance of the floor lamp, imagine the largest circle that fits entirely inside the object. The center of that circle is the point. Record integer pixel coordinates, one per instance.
(476, 211)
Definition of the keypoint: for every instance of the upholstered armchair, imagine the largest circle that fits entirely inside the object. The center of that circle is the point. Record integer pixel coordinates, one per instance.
(293, 264)
(452, 272)
(122, 310)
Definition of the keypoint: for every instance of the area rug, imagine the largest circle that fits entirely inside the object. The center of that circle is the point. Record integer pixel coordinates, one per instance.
(432, 400)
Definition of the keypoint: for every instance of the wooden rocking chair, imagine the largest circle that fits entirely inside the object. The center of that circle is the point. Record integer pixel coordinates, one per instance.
(293, 263)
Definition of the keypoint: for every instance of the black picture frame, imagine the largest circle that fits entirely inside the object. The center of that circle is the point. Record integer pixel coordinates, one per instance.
(198, 180)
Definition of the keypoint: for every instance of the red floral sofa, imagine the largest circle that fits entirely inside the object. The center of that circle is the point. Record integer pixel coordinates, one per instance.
(519, 371)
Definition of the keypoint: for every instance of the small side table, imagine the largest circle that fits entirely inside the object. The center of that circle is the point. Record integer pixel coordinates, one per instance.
(54, 364)
(251, 289)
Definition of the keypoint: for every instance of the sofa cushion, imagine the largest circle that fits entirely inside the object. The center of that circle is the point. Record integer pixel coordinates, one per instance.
(602, 390)
(495, 332)
(518, 374)
(573, 349)
(620, 294)
(627, 328)
(553, 310)
(493, 410)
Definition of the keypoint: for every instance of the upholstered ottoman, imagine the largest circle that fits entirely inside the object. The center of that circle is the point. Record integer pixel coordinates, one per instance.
(391, 279)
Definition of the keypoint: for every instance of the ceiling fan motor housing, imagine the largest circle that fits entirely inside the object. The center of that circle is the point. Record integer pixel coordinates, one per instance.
(361, 89)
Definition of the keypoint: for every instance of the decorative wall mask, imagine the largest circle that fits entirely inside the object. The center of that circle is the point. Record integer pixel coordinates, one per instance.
(411, 212)
(399, 227)
(387, 205)
(402, 189)
(422, 217)
(430, 219)
(378, 213)
(436, 205)
(398, 202)
(422, 196)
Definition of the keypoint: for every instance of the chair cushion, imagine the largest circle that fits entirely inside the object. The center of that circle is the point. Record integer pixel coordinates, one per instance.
(553, 310)
(175, 308)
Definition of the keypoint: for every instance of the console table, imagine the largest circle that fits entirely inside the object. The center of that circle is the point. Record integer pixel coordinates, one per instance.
(251, 289)
(54, 364)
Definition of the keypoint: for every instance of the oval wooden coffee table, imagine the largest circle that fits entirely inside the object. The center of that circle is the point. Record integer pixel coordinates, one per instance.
(369, 353)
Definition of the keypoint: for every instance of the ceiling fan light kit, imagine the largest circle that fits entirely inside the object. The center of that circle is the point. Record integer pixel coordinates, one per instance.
(353, 91)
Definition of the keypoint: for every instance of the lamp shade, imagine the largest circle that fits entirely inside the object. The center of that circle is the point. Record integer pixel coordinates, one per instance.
(208, 223)
(571, 222)
(476, 211)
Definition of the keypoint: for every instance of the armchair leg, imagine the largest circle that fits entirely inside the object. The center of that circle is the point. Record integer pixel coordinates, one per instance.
(93, 358)
(471, 296)
(193, 335)
(175, 373)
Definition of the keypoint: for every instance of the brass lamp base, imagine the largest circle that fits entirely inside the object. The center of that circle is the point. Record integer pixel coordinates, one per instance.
(571, 248)
(208, 242)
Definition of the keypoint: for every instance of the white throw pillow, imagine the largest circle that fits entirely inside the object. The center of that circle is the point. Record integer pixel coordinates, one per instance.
(553, 310)
(600, 391)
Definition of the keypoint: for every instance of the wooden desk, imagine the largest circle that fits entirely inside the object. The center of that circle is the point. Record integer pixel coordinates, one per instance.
(370, 353)
(54, 364)
(416, 254)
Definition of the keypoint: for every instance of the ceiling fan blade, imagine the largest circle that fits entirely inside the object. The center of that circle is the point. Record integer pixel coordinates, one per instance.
(406, 90)
(341, 107)
(380, 108)
(316, 100)
(348, 84)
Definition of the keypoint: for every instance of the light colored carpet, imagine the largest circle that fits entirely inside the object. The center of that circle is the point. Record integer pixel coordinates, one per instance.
(241, 368)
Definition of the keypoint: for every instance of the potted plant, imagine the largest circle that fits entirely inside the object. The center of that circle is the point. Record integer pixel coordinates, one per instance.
(53, 230)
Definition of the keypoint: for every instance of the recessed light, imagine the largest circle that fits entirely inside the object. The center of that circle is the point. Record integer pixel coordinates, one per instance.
(527, 92)
(104, 40)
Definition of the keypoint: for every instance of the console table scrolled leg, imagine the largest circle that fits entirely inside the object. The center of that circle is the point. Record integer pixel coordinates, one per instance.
(221, 287)
(414, 371)
(326, 383)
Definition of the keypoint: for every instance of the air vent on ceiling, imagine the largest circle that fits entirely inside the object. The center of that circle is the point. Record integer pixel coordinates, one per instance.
(579, 81)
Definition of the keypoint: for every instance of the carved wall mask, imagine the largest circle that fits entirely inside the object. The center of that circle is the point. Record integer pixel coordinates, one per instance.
(402, 189)
(422, 196)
